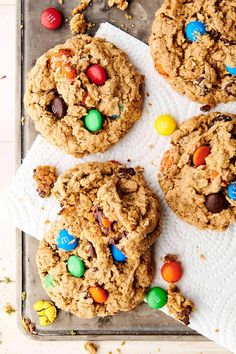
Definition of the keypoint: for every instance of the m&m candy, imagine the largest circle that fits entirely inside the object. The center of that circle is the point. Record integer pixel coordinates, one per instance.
(231, 70)
(75, 266)
(194, 30)
(232, 190)
(97, 74)
(117, 255)
(66, 241)
(172, 271)
(51, 18)
(48, 281)
(165, 125)
(200, 155)
(156, 298)
(46, 312)
(98, 294)
(93, 120)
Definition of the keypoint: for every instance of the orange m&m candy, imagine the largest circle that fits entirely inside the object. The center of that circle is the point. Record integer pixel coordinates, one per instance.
(98, 294)
(68, 71)
(167, 160)
(200, 155)
(57, 58)
(160, 69)
(106, 222)
(172, 271)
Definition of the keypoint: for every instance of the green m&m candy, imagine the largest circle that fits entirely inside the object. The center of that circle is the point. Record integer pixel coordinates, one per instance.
(75, 266)
(48, 281)
(93, 120)
(156, 298)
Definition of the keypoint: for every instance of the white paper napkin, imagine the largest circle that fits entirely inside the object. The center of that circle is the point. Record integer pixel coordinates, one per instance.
(209, 258)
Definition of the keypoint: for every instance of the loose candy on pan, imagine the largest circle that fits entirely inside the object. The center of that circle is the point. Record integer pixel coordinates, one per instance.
(66, 241)
(232, 190)
(200, 155)
(156, 298)
(93, 120)
(75, 266)
(165, 125)
(194, 30)
(117, 255)
(98, 294)
(216, 202)
(231, 70)
(51, 18)
(46, 312)
(172, 271)
(97, 74)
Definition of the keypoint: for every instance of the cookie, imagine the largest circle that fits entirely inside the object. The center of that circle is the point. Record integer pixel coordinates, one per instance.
(196, 173)
(116, 200)
(84, 95)
(193, 45)
(105, 286)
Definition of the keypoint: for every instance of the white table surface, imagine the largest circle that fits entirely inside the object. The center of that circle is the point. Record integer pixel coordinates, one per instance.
(11, 339)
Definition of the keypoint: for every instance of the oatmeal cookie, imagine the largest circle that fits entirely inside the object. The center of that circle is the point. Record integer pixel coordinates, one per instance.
(84, 95)
(198, 174)
(105, 286)
(192, 44)
(116, 200)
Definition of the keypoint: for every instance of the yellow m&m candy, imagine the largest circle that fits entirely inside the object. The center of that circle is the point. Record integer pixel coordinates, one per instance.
(165, 125)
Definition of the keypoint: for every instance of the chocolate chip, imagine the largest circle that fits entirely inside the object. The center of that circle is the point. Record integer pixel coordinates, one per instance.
(199, 80)
(228, 42)
(216, 202)
(205, 108)
(127, 171)
(91, 250)
(214, 35)
(58, 107)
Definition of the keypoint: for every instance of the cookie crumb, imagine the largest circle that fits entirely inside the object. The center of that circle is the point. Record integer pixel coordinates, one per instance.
(45, 177)
(81, 7)
(66, 20)
(91, 348)
(170, 258)
(29, 326)
(78, 24)
(47, 222)
(73, 333)
(61, 2)
(9, 309)
(151, 146)
(3, 77)
(217, 330)
(178, 305)
(205, 108)
(6, 280)
(121, 4)
(202, 257)
(118, 350)
(22, 121)
(123, 343)
(128, 17)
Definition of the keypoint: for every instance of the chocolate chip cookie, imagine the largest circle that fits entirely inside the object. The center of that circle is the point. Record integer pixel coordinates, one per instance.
(84, 95)
(116, 200)
(198, 175)
(193, 45)
(87, 279)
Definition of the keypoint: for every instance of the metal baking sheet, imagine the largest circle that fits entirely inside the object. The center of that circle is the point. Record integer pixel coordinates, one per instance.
(33, 40)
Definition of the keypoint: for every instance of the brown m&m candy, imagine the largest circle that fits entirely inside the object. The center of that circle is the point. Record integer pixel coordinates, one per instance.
(58, 107)
(216, 202)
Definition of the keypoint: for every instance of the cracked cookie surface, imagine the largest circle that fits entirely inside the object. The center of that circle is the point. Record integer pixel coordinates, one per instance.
(125, 283)
(197, 69)
(197, 193)
(116, 200)
(59, 95)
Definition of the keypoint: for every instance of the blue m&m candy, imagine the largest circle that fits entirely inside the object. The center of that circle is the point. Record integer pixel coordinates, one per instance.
(231, 70)
(117, 255)
(232, 190)
(65, 241)
(195, 29)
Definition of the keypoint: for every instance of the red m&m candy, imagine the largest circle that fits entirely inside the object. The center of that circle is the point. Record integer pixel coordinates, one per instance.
(97, 74)
(200, 155)
(51, 18)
